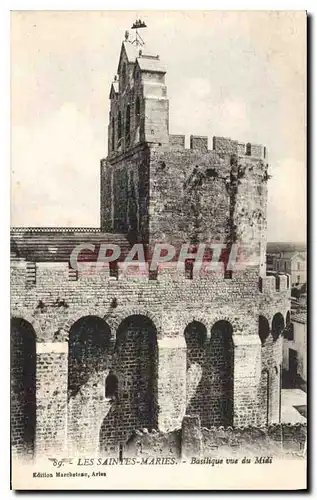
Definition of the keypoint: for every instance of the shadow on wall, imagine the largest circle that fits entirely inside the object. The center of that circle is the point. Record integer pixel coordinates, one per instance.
(23, 386)
(89, 351)
(210, 373)
(270, 382)
(135, 366)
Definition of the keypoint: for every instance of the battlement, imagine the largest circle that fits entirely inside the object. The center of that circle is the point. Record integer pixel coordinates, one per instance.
(277, 283)
(221, 145)
(33, 274)
(42, 272)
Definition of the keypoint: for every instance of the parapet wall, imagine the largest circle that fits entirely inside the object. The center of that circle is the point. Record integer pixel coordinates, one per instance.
(53, 294)
(221, 145)
(192, 441)
(31, 273)
(278, 283)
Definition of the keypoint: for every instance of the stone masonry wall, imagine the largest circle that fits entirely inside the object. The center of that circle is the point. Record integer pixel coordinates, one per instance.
(196, 195)
(51, 397)
(124, 193)
(210, 375)
(171, 303)
(216, 443)
(135, 365)
(23, 393)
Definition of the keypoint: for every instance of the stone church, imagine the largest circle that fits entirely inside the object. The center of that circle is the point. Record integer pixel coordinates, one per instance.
(97, 356)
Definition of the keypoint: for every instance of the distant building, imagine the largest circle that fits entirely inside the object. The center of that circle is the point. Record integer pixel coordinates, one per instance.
(289, 259)
(295, 345)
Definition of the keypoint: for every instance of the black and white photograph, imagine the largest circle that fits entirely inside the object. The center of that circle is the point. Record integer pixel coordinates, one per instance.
(158, 258)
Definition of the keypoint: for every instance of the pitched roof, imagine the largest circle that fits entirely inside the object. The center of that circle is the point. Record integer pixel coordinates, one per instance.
(300, 317)
(130, 50)
(276, 247)
(289, 255)
(114, 88)
(57, 244)
(151, 64)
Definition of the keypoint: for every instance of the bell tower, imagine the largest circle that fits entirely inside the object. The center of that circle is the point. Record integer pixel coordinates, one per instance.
(138, 121)
(138, 97)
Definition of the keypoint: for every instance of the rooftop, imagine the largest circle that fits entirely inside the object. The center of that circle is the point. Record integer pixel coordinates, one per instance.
(276, 247)
(151, 64)
(57, 244)
(300, 317)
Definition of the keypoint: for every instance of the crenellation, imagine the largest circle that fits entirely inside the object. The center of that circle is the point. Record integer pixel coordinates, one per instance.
(199, 142)
(176, 141)
(109, 349)
(256, 150)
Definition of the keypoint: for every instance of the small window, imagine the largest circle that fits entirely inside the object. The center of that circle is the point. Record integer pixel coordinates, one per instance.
(298, 266)
(119, 126)
(111, 391)
(72, 274)
(137, 110)
(285, 265)
(112, 134)
(298, 279)
(124, 75)
(31, 273)
(228, 274)
(113, 269)
(127, 126)
(189, 269)
(153, 274)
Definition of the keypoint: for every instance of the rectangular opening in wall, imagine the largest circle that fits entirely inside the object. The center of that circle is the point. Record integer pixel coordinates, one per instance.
(277, 283)
(153, 275)
(228, 275)
(31, 273)
(260, 284)
(72, 274)
(189, 269)
(113, 270)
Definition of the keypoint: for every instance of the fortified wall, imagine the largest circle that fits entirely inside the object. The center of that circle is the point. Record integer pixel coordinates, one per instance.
(99, 355)
(209, 346)
(167, 193)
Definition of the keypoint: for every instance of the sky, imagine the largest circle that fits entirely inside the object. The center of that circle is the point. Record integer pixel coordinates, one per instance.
(234, 74)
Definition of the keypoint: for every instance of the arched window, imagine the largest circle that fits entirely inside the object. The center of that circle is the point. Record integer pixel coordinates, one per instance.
(137, 110)
(119, 126)
(111, 390)
(277, 326)
(127, 125)
(264, 329)
(124, 75)
(112, 134)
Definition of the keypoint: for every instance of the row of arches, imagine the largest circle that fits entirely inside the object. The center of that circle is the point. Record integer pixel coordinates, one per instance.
(277, 327)
(124, 371)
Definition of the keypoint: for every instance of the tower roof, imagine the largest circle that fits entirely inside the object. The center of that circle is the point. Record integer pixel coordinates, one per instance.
(151, 64)
(130, 50)
(114, 88)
